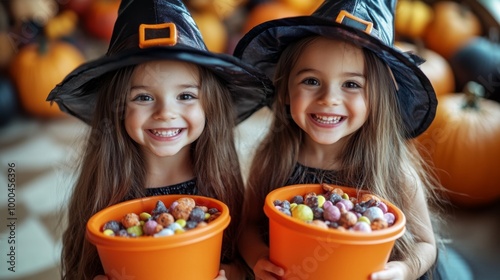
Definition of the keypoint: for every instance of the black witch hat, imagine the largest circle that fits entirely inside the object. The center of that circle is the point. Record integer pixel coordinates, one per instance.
(147, 30)
(366, 23)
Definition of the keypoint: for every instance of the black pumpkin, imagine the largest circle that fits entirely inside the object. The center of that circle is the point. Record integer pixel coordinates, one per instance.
(9, 107)
(479, 61)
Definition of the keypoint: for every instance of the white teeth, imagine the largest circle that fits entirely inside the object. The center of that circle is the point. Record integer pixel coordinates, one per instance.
(166, 133)
(327, 119)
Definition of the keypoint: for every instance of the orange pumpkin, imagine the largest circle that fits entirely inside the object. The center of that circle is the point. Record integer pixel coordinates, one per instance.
(268, 11)
(213, 31)
(78, 6)
(37, 69)
(412, 17)
(222, 8)
(61, 25)
(452, 26)
(463, 142)
(304, 7)
(100, 18)
(437, 69)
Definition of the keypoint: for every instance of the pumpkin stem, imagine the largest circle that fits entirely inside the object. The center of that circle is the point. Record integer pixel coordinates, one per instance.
(43, 46)
(473, 92)
(420, 46)
(463, 9)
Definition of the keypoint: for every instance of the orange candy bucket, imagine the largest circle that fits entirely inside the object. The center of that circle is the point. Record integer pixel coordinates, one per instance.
(191, 255)
(308, 252)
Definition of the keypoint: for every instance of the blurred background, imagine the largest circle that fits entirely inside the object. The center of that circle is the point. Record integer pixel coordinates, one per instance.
(41, 41)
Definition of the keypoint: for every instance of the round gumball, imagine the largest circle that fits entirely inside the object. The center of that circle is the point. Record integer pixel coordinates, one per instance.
(331, 212)
(362, 227)
(373, 213)
(303, 213)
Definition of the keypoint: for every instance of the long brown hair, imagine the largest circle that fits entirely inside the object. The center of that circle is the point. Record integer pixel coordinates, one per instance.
(112, 168)
(377, 157)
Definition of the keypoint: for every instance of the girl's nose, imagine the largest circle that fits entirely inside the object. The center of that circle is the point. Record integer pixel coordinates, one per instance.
(331, 96)
(165, 111)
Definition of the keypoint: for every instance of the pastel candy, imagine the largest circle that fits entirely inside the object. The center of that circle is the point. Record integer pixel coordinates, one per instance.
(161, 223)
(150, 227)
(174, 226)
(383, 206)
(321, 200)
(373, 213)
(164, 232)
(390, 218)
(331, 213)
(342, 213)
(303, 212)
(362, 227)
(135, 230)
(347, 203)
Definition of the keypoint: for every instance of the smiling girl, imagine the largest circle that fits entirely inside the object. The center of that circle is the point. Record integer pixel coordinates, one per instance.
(161, 110)
(347, 105)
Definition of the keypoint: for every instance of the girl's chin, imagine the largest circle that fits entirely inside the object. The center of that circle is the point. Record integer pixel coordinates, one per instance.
(323, 139)
(163, 153)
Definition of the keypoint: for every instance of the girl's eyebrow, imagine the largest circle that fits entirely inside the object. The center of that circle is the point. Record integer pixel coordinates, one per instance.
(196, 86)
(305, 70)
(138, 87)
(355, 74)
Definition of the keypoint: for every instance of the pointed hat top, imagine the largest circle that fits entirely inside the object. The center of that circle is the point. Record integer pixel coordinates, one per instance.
(153, 16)
(375, 17)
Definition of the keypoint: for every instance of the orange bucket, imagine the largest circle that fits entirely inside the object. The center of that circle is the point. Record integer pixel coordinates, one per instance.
(192, 255)
(309, 252)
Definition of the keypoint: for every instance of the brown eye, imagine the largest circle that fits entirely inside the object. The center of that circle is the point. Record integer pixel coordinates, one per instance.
(310, 82)
(351, 85)
(142, 97)
(186, 96)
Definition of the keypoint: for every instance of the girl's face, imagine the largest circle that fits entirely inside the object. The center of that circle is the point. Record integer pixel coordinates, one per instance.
(326, 90)
(164, 113)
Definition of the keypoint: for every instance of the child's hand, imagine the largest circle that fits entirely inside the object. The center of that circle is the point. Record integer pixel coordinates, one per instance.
(222, 275)
(264, 269)
(392, 271)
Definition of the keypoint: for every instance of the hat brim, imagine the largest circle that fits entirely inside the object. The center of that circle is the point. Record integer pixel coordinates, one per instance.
(263, 45)
(250, 89)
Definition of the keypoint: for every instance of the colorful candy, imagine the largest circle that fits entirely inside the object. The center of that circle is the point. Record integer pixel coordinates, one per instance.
(182, 215)
(335, 209)
(302, 212)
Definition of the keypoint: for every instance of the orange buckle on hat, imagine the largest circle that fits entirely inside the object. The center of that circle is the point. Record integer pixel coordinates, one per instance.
(161, 34)
(350, 20)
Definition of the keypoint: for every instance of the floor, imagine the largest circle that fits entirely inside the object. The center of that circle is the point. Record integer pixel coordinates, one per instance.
(43, 152)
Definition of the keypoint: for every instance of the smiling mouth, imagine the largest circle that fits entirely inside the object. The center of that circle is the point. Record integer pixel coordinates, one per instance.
(166, 133)
(327, 119)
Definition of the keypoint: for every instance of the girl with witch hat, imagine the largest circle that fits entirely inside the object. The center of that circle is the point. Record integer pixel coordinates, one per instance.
(160, 109)
(347, 105)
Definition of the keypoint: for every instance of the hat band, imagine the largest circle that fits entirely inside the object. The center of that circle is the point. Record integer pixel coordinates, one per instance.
(161, 34)
(348, 19)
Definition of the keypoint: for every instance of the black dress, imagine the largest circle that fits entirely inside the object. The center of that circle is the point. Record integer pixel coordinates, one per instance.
(188, 187)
